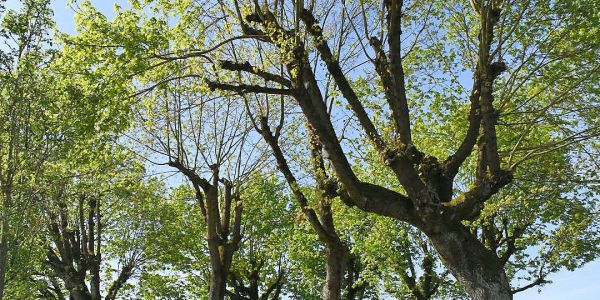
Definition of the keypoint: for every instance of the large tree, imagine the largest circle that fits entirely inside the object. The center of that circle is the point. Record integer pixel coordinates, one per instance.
(455, 101)
(432, 199)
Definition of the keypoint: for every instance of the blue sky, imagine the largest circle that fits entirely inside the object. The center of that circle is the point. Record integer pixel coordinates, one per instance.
(583, 284)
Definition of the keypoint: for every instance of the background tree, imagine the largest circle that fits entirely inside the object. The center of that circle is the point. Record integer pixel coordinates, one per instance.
(210, 143)
(48, 113)
(97, 226)
(26, 138)
(180, 266)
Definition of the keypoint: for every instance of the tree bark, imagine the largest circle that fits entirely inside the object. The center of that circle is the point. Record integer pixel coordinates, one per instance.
(3, 259)
(218, 283)
(6, 203)
(77, 294)
(336, 268)
(477, 269)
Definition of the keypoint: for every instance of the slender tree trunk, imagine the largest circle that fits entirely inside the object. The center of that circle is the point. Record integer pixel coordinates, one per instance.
(475, 267)
(217, 251)
(6, 201)
(3, 259)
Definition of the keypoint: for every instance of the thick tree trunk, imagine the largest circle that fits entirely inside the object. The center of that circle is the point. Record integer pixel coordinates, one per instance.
(336, 267)
(79, 295)
(475, 267)
(77, 289)
(95, 282)
(218, 284)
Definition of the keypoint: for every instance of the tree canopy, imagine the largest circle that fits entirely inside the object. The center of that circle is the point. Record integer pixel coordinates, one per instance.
(307, 149)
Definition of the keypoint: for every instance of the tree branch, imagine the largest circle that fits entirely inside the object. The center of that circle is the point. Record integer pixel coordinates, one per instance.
(398, 104)
(247, 67)
(247, 88)
(334, 68)
(124, 275)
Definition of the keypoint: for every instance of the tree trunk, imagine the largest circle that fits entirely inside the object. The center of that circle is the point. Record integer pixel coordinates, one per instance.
(77, 288)
(3, 259)
(79, 295)
(336, 267)
(95, 282)
(475, 267)
(218, 284)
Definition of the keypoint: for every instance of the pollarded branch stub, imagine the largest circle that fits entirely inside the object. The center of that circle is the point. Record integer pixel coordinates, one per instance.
(495, 10)
(502, 178)
(409, 151)
(331, 188)
(215, 170)
(497, 68)
(380, 54)
(254, 18)
(389, 156)
(413, 153)
(430, 167)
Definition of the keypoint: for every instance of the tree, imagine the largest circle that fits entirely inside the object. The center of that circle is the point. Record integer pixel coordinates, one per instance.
(180, 258)
(46, 115)
(209, 142)
(96, 223)
(26, 139)
(432, 199)
(261, 264)
(395, 84)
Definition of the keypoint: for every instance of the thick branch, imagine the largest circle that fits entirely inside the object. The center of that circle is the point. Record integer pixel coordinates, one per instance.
(283, 166)
(247, 88)
(124, 275)
(247, 67)
(191, 175)
(489, 72)
(334, 68)
(453, 163)
(468, 205)
(399, 104)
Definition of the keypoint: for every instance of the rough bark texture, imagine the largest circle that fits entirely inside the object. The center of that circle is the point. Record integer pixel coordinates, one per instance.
(337, 258)
(218, 284)
(477, 268)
